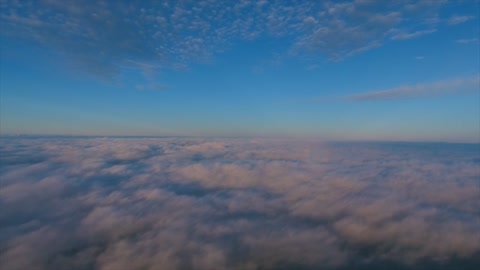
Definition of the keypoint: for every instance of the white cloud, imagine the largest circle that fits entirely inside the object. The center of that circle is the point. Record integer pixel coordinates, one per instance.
(459, 19)
(404, 35)
(467, 40)
(444, 87)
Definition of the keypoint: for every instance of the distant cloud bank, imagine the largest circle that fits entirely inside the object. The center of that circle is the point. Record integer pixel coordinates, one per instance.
(179, 203)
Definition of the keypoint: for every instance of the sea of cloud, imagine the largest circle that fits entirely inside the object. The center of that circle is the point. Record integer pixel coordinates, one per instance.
(197, 203)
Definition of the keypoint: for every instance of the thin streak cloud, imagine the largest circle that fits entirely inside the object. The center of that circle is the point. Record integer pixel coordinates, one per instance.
(424, 90)
(459, 19)
(404, 35)
(467, 40)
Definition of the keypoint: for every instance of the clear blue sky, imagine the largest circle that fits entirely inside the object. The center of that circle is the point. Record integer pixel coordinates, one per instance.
(337, 70)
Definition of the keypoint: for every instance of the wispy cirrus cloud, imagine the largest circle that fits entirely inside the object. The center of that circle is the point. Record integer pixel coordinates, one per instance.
(405, 35)
(454, 20)
(466, 40)
(444, 87)
(152, 87)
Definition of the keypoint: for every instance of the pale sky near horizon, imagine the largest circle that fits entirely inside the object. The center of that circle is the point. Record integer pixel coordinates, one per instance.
(337, 70)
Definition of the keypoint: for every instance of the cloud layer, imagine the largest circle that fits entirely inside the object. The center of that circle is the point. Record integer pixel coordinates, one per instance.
(170, 203)
(104, 37)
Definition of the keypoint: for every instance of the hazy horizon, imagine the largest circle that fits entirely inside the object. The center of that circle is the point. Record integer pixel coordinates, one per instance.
(289, 138)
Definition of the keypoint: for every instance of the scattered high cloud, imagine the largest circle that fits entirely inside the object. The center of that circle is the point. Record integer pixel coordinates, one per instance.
(404, 35)
(152, 87)
(459, 19)
(173, 203)
(445, 87)
(104, 37)
(466, 40)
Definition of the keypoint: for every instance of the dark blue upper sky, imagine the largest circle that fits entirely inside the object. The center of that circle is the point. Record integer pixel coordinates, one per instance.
(356, 70)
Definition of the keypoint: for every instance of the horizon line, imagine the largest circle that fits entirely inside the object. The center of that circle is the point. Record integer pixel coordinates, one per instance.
(243, 137)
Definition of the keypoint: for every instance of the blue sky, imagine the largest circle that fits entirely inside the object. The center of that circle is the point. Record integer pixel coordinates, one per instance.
(336, 70)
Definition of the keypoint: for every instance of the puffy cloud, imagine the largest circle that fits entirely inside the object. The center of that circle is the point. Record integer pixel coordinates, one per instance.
(106, 37)
(193, 203)
(207, 147)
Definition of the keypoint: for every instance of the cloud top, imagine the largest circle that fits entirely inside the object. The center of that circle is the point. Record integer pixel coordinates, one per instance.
(169, 203)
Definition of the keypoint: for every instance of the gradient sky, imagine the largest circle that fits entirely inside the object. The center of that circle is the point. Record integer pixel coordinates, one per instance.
(342, 70)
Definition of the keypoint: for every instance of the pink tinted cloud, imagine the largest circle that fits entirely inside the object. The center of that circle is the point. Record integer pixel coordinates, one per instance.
(246, 204)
